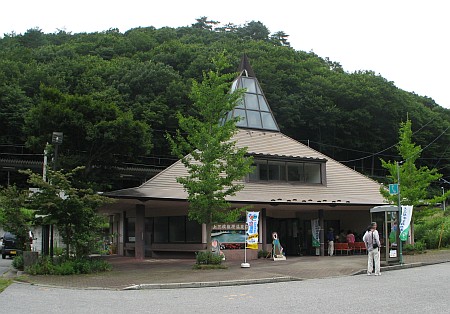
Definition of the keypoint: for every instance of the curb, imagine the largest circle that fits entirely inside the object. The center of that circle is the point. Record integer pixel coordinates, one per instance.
(211, 283)
(404, 266)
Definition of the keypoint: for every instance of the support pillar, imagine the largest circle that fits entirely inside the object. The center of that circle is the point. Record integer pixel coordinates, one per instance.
(263, 228)
(139, 252)
(322, 233)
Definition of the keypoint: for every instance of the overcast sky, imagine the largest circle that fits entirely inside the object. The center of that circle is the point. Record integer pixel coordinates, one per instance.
(406, 41)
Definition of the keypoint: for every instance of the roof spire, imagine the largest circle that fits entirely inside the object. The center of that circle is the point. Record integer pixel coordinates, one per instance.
(253, 108)
(245, 66)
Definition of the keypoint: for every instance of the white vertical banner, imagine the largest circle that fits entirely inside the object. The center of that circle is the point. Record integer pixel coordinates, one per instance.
(405, 222)
(252, 231)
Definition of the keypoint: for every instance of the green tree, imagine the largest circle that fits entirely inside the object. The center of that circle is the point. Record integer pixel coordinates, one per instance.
(214, 162)
(414, 181)
(96, 134)
(14, 216)
(71, 209)
(203, 23)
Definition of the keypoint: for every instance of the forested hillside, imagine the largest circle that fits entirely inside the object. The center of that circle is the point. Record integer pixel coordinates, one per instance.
(114, 95)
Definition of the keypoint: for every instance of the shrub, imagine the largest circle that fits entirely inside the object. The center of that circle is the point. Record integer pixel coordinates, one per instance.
(430, 229)
(262, 253)
(207, 258)
(18, 262)
(418, 247)
(69, 266)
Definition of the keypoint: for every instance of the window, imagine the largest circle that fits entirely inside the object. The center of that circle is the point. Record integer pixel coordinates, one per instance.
(312, 173)
(130, 230)
(176, 229)
(160, 229)
(277, 171)
(193, 232)
(254, 119)
(300, 172)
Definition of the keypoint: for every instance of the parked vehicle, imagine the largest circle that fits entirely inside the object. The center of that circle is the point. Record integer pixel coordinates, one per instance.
(9, 245)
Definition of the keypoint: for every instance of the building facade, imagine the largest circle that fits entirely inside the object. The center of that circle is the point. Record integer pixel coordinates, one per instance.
(291, 185)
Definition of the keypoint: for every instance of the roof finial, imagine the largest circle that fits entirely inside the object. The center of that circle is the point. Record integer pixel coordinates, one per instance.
(245, 66)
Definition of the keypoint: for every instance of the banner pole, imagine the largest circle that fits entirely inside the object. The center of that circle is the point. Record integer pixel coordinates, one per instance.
(245, 264)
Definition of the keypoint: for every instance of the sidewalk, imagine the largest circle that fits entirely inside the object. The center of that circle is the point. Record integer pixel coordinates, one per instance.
(129, 273)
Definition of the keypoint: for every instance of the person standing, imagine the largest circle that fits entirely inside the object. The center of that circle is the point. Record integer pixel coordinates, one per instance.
(330, 238)
(372, 241)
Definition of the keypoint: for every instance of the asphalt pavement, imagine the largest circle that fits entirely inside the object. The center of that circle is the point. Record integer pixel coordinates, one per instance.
(413, 290)
(129, 273)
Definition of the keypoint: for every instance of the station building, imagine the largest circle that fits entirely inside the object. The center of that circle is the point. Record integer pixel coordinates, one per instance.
(292, 184)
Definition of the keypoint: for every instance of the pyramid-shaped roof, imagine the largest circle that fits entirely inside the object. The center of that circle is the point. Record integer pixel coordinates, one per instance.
(253, 108)
(343, 185)
(259, 133)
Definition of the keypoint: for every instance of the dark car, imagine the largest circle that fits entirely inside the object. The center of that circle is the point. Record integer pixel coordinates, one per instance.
(9, 245)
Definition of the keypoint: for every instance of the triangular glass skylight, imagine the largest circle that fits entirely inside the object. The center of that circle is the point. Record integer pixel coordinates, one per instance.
(253, 107)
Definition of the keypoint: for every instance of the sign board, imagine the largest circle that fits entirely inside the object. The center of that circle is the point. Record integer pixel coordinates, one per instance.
(392, 253)
(393, 189)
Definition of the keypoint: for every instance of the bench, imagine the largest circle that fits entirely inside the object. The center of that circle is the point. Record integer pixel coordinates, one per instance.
(359, 247)
(342, 247)
(129, 249)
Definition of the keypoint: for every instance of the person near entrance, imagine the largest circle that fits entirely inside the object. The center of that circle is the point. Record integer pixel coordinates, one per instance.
(330, 238)
(372, 241)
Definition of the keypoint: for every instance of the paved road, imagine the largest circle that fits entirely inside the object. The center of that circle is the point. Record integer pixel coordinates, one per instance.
(415, 290)
(4, 264)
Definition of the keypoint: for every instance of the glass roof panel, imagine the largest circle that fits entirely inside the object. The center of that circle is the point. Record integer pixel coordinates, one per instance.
(249, 83)
(268, 121)
(262, 103)
(253, 107)
(254, 119)
(251, 101)
(240, 113)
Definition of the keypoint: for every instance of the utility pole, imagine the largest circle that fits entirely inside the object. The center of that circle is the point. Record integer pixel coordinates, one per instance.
(399, 213)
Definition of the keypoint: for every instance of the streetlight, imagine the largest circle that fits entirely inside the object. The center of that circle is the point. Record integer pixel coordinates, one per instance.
(57, 139)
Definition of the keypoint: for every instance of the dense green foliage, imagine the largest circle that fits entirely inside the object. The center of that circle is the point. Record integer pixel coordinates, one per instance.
(112, 94)
(67, 266)
(14, 216)
(433, 227)
(72, 210)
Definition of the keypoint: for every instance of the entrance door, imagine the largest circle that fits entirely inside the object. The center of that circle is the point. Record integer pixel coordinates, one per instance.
(289, 233)
(148, 233)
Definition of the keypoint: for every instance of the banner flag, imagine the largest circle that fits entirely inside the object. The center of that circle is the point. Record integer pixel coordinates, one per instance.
(405, 223)
(315, 228)
(252, 231)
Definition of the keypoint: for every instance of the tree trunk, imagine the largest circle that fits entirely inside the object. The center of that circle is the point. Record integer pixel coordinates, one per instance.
(208, 236)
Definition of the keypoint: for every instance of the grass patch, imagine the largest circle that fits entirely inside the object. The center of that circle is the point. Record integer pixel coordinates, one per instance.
(4, 283)
(209, 266)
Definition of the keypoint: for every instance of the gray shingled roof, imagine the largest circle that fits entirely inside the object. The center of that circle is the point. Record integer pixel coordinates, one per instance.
(344, 185)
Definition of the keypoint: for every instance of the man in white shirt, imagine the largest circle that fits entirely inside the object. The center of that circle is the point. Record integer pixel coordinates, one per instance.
(372, 241)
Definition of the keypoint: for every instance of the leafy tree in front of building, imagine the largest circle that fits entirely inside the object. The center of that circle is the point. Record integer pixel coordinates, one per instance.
(213, 161)
(416, 189)
(72, 210)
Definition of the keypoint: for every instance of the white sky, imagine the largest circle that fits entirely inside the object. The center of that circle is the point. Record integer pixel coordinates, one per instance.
(406, 41)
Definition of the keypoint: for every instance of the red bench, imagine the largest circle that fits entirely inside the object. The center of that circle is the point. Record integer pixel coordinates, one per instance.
(359, 247)
(342, 247)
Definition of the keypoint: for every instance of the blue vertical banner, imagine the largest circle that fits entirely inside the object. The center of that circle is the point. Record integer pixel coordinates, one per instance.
(252, 230)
